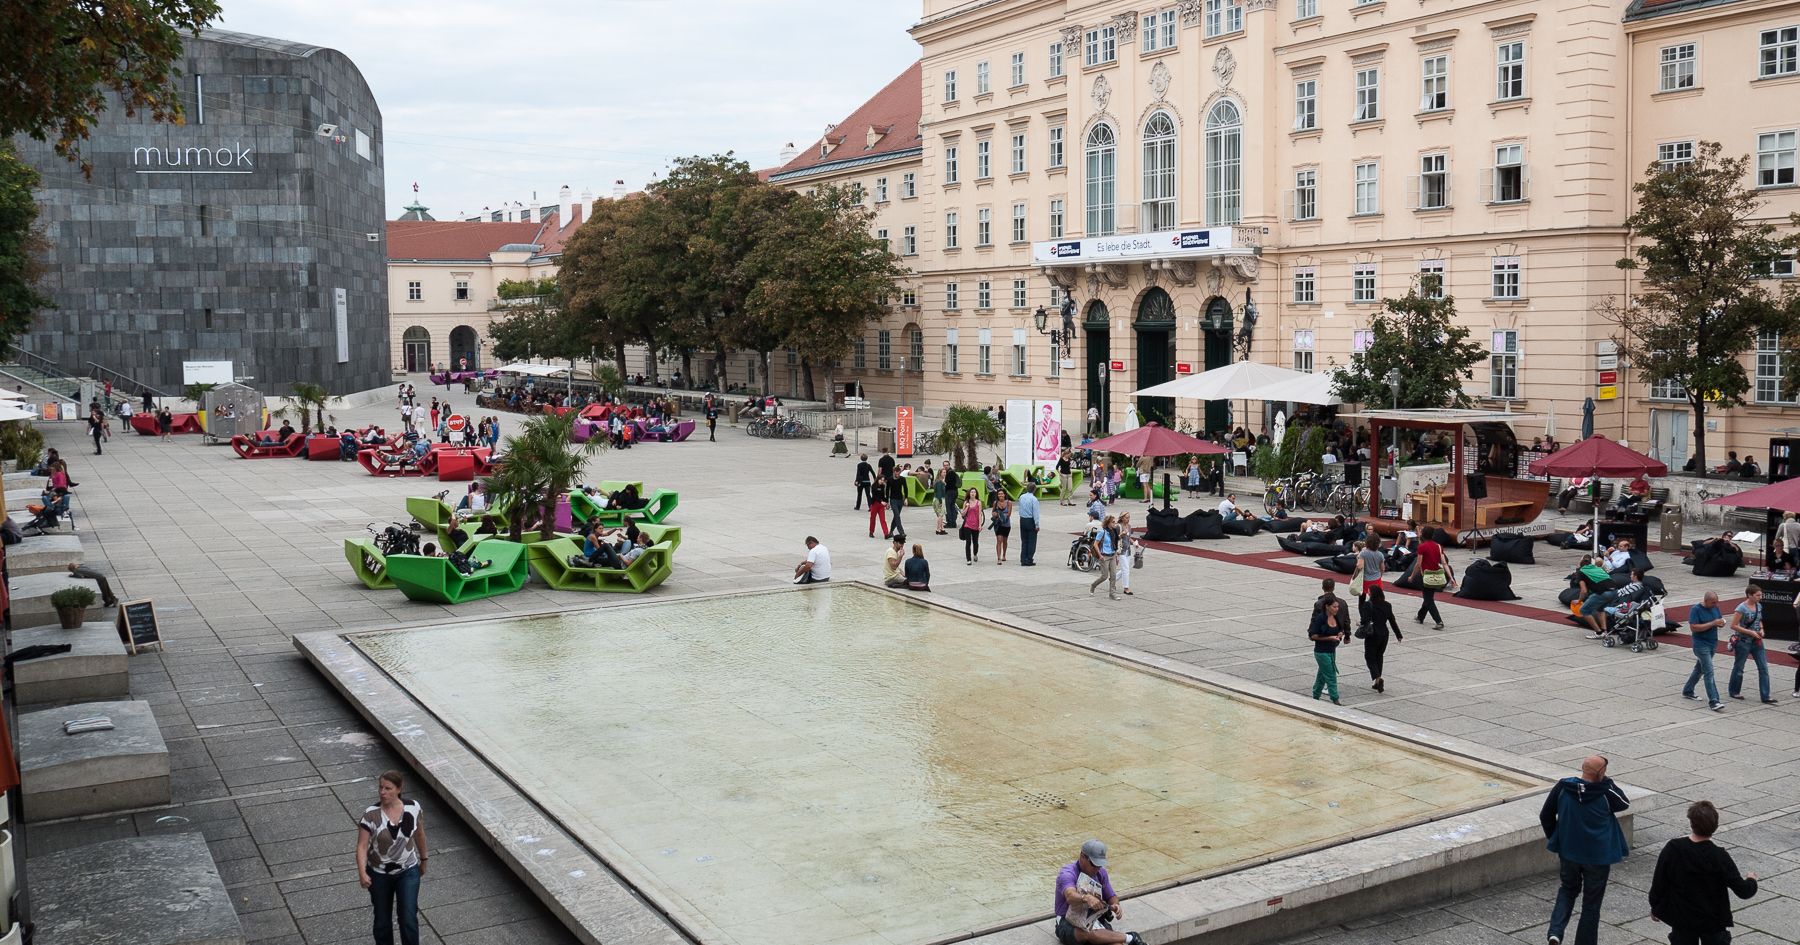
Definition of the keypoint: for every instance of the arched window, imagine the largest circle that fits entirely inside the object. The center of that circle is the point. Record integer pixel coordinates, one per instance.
(1224, 165)
(1102, 181)
(1159, 174)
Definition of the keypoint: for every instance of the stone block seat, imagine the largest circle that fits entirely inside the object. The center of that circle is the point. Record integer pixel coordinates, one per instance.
(321, 448)
(157, 890)
(551, 561)
(146, 424)
(26, 480)
(437, 581)
(370, 459)
(31, 596)
(369, 563)
(585, 430)
(457, 464)
(63, 775)
(40, 554)
(94, 668)
(24, 516)
(256, 446)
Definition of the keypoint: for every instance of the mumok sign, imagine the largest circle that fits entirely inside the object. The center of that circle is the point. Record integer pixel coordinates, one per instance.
(236, 159)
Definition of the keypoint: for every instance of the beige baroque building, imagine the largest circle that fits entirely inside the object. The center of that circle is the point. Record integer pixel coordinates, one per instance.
(1168, 163)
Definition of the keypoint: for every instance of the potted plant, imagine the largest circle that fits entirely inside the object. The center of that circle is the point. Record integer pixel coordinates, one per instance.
(71, 605)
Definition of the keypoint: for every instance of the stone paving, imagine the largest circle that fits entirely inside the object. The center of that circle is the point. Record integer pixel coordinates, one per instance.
(272, 767)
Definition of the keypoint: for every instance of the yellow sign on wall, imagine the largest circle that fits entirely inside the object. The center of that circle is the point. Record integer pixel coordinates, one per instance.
(1609, 392)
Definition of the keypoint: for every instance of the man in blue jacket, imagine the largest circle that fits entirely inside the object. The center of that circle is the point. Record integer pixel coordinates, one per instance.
(1581, 819)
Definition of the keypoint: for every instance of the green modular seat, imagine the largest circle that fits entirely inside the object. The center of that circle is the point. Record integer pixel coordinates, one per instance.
(551, 560)
(1016, 477)
(435, 580)
(582, 507)
(369, 563)
(1128, 489)
(662, 533)
(918, 491)
(655, 510)
(973, 480)
(436, 514)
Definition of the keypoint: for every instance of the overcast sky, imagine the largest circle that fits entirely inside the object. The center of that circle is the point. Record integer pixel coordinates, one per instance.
(487, 102)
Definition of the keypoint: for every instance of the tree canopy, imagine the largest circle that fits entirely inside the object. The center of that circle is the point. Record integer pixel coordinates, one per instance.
(22, 247)
(62, 57)
(1416, 336)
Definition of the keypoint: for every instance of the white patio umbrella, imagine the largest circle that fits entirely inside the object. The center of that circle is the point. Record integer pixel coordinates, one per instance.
(1303, 389)
(10, 411)
(11, 395)
(1224, 383)
(536, 370)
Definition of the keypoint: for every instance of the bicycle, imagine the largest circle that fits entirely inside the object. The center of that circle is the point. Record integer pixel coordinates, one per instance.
(926, 443)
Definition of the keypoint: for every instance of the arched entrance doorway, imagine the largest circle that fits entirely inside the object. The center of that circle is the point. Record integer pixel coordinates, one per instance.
(415, 347)
(1098, 329)
(1216, 324)
(1155, 326)
(464, 346)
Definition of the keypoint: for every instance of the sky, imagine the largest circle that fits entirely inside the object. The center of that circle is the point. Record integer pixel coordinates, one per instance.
(488, 102)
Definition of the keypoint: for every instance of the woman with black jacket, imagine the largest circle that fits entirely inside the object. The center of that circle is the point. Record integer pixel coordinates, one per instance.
(1378, 616)
(896, 487)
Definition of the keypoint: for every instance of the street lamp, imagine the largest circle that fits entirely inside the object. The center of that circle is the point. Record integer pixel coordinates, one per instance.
(1064, 338)
(1247, 326)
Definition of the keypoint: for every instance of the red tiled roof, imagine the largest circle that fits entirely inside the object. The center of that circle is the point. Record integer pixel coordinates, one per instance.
(893, 113)
(458, 239)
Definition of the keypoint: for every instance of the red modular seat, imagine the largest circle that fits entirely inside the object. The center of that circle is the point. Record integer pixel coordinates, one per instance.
(324, 447)
(370, 459)
(145, 424)
(455, 467)
(252, 447)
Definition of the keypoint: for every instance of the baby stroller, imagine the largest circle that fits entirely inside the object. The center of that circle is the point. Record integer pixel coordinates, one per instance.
(1635, 623)
(1081, 550)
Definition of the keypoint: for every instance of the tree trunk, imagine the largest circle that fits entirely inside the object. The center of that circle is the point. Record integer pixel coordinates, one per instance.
(806, 375)
(830, 387)
(687, 368)
(768, 383)
(721, 362)
(650, 360)
(1700, 438)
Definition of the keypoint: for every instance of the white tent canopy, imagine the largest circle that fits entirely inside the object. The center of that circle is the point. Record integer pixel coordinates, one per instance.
(1305, 389)
(9, 411)
(1232, 382)
(11, 395)
(536, 370)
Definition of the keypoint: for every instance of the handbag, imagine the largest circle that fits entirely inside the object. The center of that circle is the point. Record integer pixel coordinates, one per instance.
(1364, 632)
(1434, 578)
(1137, 557)
(1356, 583)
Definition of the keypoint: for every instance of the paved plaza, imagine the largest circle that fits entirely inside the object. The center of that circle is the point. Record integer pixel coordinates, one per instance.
(273, 767)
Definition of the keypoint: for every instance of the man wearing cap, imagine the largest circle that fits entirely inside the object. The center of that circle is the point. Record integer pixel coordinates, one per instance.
(1085, 901)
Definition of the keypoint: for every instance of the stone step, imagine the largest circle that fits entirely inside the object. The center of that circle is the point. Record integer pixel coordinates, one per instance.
(63, 775)
(25, 480)
(31, 596)
(95, 668)
(39, 554)
(160, 890)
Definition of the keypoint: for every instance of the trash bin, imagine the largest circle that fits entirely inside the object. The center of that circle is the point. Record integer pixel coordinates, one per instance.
(1671, 529)
(733, 414)
(884, 439)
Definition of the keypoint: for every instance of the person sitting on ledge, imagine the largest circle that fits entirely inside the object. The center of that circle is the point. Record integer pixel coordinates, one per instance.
(287, 430)
(1086, 905)
(1732, 467)
(918, 572)
(816, 568)
(1750, 470)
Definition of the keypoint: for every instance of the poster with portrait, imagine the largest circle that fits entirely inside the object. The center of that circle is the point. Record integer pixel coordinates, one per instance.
(1046, 432)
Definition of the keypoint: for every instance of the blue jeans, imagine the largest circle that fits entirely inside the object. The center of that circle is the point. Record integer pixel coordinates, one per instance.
(1703, 669)
(1750, 649)
(384, 888)
(1590, 882)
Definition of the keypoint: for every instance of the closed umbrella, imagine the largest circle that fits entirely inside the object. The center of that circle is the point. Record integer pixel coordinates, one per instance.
(1587, 419)
(1550, 423)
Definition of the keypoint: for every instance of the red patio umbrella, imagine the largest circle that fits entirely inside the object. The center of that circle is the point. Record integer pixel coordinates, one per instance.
(1783, 496)
(1154, 441)
(1598, 458)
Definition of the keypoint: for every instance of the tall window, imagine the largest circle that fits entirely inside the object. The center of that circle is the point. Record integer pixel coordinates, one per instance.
(1506, 277)
(1509, 66)
(1018, 352)
(984, 351)
(462, 290)
(1434, 182)
(916, 345)
(884, 350)
(1780, 52)
(1305, 289)
(1508, 184)
(1224, 164)
(1368, 188)
(909, 241)
(1503, 365)
(1102, 45)
(1676, 71)
(909, 185)
(1158, 29)
(982, 86)
(1673, 154)
(1056, 146)
(984, 166)
(1056, 219)
(881, 236)
(1102, 186)
(1431, 278)
(1148, 33)
(881, 191)
(1306, 195)
(1303, 350)
(984, 227)
(860, 354)
(1234, 15)
(1018, 299)
(1368, 94)
(1159, 174)
(1018, 69)
(1306, 104)
(950, 230)
(1056, 62)
(1362, 283)
(950, 165)
(909, 296)
(984, 295)
(951, 302)
(950, 86)
(1306, 9)
(1018, 223)
(1018, 153)
(1437, 84)
(1775, 159)
(1055, 360)
(950, 359)
(1223, 16)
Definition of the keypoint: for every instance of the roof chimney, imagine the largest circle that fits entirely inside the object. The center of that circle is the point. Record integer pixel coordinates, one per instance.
(564, 205)
(788, 154)
(619, 190)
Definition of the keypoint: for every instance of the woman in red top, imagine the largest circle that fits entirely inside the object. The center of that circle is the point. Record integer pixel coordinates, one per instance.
(1431, 558)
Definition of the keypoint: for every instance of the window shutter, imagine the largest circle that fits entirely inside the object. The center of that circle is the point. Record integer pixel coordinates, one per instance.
(1525, 182)
(1290, 205)
(1487, 185)
(1413, 183)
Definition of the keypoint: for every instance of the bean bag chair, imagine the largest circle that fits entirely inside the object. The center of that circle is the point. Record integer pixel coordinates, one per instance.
(1165, 525)
(1486, 580)
(1314, 548)
(1206, 525)
(1282, 526)
(1511, 548)
(1401, 563)
(1408, 580)
(1291, 546)
(1342, 564)
(1243, 526)
(1569, 596)
(1640, 560)
(1715, 559)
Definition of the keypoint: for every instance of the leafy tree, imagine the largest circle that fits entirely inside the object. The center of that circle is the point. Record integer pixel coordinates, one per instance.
(22, 246)
(607, 378)
(526, 288)
(821, 276)
(540, 329)
(196, 392)
(541, 464)
(964, 429)
(1699, 306)
(61, 57)
(609, 278)
(1418, 337)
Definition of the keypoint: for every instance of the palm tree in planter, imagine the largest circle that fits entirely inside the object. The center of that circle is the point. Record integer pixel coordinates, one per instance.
(540, 465)
(966, 428)
(309, 398)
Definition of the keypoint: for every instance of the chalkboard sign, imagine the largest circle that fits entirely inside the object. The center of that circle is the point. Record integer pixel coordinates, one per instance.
(137, 624)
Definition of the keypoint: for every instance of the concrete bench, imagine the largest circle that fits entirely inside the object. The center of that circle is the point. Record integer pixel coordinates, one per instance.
(160, 890)
(31, 596)
(63, 775)
(95, 668)
(39, 554)
(26, 480)
(17, 498)
(24, 517)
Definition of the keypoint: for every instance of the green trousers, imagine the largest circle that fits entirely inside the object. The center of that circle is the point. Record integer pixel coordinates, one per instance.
(1327, 676)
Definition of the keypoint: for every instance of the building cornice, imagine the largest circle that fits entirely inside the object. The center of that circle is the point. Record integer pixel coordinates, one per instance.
(1366, 34)
(835, 166)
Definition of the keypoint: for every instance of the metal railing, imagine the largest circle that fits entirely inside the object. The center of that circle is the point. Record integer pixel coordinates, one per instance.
(103, 373)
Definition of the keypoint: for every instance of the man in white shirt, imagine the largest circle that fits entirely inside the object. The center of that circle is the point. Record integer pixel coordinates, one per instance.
(1228, 508)
(1330, 458)
(1093, 420)
(816, 568)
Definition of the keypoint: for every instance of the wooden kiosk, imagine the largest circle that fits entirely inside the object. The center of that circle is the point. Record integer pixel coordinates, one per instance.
(1487, 488)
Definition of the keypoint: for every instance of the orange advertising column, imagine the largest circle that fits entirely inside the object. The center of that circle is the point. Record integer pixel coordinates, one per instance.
(903, 434)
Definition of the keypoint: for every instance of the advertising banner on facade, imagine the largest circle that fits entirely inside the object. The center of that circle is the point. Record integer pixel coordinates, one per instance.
(1173, 244)
(1033, 432)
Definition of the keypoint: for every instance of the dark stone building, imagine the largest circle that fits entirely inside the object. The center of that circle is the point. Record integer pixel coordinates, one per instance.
(251, 233)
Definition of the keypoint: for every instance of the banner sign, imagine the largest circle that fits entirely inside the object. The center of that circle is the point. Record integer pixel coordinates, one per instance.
(1033, 432)
(1210, 241)
(903, 431)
